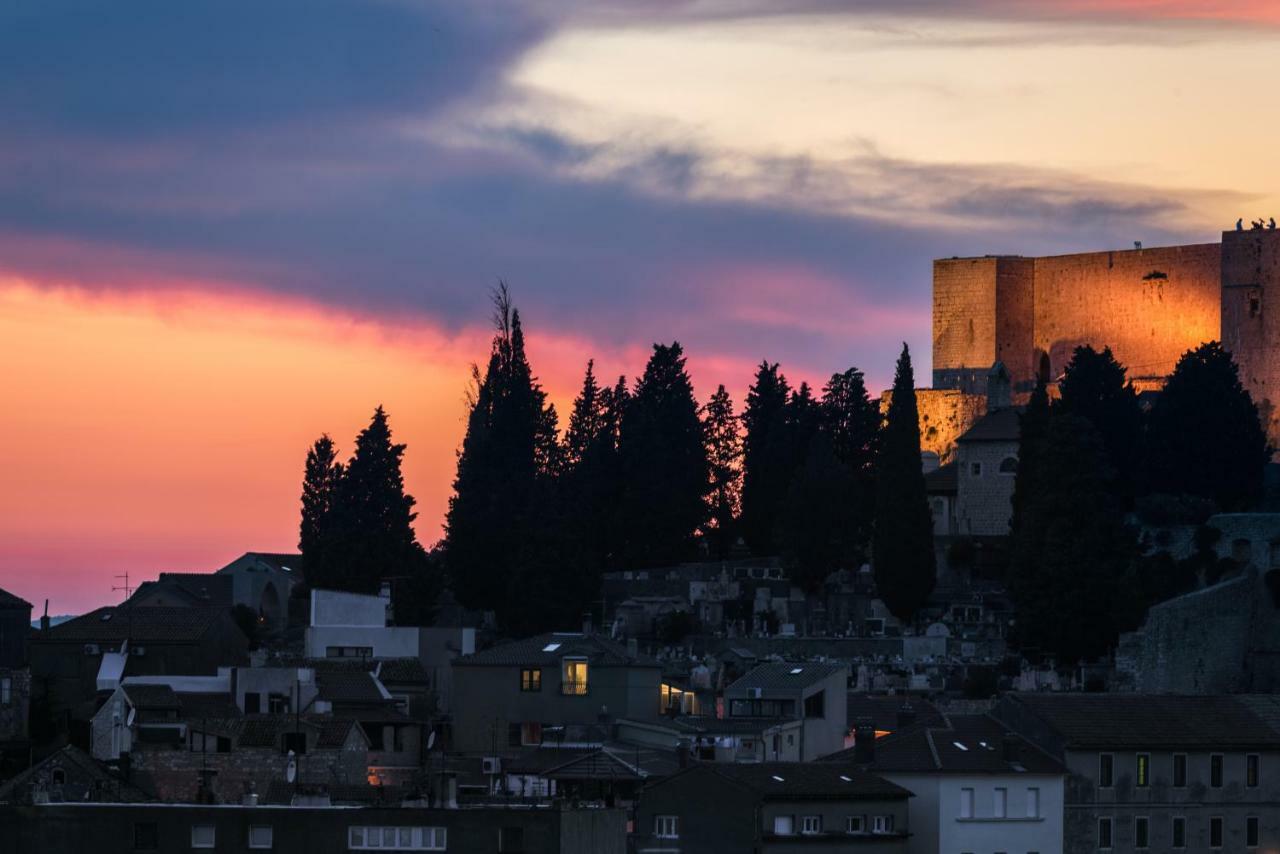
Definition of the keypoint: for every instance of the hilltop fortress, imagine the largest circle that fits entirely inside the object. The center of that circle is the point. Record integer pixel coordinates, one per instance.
(1148, 305)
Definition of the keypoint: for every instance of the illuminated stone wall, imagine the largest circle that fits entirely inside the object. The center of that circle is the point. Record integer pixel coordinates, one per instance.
(982, 312)
(944, 415)
(1251, 317)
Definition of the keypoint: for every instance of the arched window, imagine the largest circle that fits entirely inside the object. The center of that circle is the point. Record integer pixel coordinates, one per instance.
(1009, 465)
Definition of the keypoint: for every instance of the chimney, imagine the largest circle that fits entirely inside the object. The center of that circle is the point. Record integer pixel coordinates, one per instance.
(44, 619)
(250, 796)
(999, 388)
(587, 628)
(906, 716)
(864, 742)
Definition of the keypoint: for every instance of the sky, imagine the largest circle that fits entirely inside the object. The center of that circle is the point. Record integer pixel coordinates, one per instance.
(228, 227)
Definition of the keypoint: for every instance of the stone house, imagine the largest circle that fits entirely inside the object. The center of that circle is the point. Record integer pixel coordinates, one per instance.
(811, 693)
(772, 807)
(263, 582)
(986, 467)
(70, 775)
(506, 696)
(1159, 772)
(977, 786)
(15, 678)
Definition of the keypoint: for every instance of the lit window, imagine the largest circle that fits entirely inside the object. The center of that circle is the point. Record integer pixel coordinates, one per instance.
(1144, 769)
(1251, 766)
(202, 836)
(1179, 770)
(1141, 832)
(260, 836)
(573, 676)
(1104, 832)
(855, 824)
(811, 824)
(531, 679)
(1179, 832)
(666, 827)
(784, 825)
(1215, 770)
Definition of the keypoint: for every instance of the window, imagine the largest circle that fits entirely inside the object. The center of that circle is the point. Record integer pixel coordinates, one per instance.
(882, 824)
(1141, 832)
(1179, 770)
(59, 777)
(811, 824)
(1179, 832)
(1251, 832)
(1009, 465)
(1251, 764)
(784, 825)
(975, 469)
(510, 839)
(1033, 803)
(202, 836)
(1104, 832)
(531, 679)
(1144, 769)
(1255, 303)
(814, 706)
(1215, 770)
(1000, 802)
(398, 838)
(966, 803)
(1215, 832)
(573, 677)
(146, 836)
(1106, 769)
(6, 691)
(666, 827)
(855, 824)
(278, 704)
(261, 836)
(349, 652)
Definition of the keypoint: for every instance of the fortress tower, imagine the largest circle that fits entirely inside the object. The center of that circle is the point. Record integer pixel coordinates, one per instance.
(1148, 305)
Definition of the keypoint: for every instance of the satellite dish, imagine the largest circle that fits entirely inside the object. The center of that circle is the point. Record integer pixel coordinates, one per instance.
(431, 740)
(133, 713)
(291, 770)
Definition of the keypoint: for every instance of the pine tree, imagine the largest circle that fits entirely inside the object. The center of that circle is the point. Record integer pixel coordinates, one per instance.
(1204, 437)
(817, 537)
(902, 545)
(320, 483)
(766, 469)
(1094, 387)
(852, 420)
(724, 455)
(664, 462)
(1072, 552)
(586, 421)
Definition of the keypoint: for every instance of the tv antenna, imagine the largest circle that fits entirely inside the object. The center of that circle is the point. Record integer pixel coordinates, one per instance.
(128, 591)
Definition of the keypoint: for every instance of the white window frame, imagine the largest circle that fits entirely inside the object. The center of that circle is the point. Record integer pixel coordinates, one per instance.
(882, 824)
(779, 821)
(666, 826)
(213, 836)
(855, 824)
(999, 802)
(810, 825)
(271, 836)
(421, 838)
(966, 803)
(1033, 802)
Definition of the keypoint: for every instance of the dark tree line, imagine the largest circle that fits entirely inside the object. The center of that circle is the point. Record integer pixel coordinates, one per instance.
(1076, 575)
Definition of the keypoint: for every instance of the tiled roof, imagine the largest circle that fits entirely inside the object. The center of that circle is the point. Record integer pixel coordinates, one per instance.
(265, 730)
(401, 671)
(600, 764)
(959, 744)
(792, 780)
(8, 600)
(334, 731)
(1127, 721)
(546, 651)
(888, 713)
(348, 686)
(87, 779)
(195, 587)
(943, 479)
(1003, 425)
(142, 625)
(197, 706)
(707, 725)
(786, 675)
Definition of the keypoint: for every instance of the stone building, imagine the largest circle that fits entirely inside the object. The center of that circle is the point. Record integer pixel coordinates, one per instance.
(15, 678)
(1148, 305)
(986, 467)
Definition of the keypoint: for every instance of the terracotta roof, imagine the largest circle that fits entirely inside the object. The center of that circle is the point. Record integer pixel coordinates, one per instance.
(1130, 721)
(959, 744)
(1003, 425)
(786, 676)
(795, 780)
(142, 625)
(548, 649)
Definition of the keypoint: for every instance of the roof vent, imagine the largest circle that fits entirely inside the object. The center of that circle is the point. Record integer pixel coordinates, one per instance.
(551, 647)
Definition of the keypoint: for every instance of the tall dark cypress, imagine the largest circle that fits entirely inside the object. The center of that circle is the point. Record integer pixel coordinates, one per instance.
(664, 462)
(1033, 426)
(723, 434)
(902, 544)
(1095, 388)
(320, 483)
(766, 468)
(851, 419)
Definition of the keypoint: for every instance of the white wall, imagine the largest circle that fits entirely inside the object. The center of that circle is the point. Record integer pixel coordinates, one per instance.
(338, 608)
(936, 826)
(386, 641)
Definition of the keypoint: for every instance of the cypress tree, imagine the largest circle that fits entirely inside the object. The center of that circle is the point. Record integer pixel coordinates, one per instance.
(1033, 424)
(1204, 437)
(817, 537)
(902, 545)
(852, 421)
(766, 468)
(1094, 387)
(664, 462)
(320, 482)
(723, 437)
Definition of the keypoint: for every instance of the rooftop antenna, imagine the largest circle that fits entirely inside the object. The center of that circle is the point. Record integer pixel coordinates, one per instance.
(128, 591)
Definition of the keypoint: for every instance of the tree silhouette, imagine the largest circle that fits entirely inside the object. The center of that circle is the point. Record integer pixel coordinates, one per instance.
(852, 421)
(902, 544)
(1033, 425)
(1094, 387)
(766, 466)
(320, 482)
(1204, 437)
(724, 455)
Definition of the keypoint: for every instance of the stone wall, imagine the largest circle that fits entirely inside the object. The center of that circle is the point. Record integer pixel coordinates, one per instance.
(1250, 300)
(964, 321)
(175, 773)
(14, 714)
(984, 497)
(944, 415)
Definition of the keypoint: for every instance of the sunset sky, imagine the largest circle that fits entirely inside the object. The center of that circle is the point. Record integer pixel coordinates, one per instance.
(227, 227)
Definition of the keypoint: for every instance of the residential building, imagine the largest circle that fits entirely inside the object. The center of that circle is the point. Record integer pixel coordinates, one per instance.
(811, 693)
(69, 775)
(1159, 772)
(504, 697)
(986, 467)
(978, 786)
(15, 680)
(772, 807)
(264, 582)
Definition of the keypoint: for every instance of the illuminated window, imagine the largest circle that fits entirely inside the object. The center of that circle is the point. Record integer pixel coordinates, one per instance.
(531, 679)
(1144, 769)
(573, 676)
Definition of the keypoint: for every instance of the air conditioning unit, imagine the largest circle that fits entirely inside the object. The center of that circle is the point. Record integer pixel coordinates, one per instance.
(91, 649)
(491, 765)
(755, 693)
